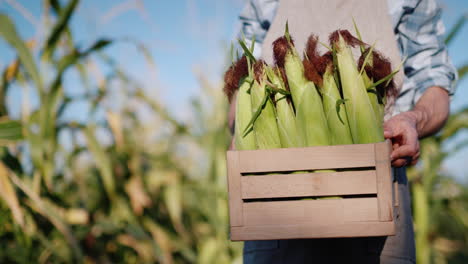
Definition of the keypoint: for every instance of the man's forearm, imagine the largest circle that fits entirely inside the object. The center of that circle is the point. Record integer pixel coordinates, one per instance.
(431, 111)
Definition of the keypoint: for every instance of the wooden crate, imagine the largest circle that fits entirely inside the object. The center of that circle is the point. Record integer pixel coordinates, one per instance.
(264, 207)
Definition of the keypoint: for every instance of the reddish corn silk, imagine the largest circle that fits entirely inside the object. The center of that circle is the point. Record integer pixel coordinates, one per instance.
(259, 70)
(233, 76)
(347, 36)
(379, 68)
(310, 60)
(280, 49)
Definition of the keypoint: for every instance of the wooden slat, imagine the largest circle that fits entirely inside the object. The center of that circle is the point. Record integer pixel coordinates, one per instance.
(234, 189)
(306, 230)
(309, 184)
(296, 159)
(384, 180)
(331, 211)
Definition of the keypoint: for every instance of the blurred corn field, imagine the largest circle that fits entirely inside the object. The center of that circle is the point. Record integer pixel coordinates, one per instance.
(131, 185)
(134, 184)
(440, 204)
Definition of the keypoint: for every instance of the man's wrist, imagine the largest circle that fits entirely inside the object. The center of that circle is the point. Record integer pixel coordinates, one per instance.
(431, 111)
(418, 118)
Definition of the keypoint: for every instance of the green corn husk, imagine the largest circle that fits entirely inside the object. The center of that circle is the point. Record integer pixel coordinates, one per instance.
(364, 125)
(265, 128)
(310, 118)
(243, 116)
(377, 107)
(285, 116)
(336, 114)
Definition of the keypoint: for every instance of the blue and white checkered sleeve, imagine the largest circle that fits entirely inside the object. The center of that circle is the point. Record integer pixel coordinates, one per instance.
(420, 35)
(255, 19)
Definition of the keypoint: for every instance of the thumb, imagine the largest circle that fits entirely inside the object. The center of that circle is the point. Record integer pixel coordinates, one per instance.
(388, 132)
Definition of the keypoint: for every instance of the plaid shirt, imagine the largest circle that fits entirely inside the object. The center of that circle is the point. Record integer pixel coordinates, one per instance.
(419, 32)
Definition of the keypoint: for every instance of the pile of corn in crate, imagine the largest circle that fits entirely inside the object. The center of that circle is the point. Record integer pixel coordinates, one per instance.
(310, 160)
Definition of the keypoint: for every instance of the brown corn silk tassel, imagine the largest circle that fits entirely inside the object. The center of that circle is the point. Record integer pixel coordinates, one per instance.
(234, 75)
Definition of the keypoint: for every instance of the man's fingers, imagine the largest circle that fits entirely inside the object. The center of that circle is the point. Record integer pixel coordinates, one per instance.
(415, 159)
(399, 163)
(404, 151)
(388, 133)
(405, 155)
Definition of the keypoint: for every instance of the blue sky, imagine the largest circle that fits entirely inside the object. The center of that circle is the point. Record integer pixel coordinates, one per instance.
(183, 36)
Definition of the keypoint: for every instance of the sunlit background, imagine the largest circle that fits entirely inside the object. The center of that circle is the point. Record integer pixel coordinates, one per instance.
(153, 99)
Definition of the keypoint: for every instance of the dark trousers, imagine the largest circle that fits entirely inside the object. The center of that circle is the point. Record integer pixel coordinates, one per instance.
(398, 249)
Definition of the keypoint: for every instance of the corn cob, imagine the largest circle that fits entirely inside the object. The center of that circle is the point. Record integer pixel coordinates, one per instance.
(320, 70)
(375, 67)
(265, 127)
(311, 122)
(237, 78)
(243, 115)
(364, 125)
(285, 116)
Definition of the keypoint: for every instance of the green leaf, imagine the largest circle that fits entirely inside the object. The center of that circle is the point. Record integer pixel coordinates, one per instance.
(286, 32)
(281, 98)
(173, 200)
(257, 113)
(387, 78)
(462, 71)
(102, 161)
(7, 192)
(252, 45)
(367, 58)
(9, 33)
(456, 28)
(69, 60)
(247, 52)
(338, 108)
(10, 130)
(374, 91)
(336, 74)
(12, 162)
(457, 122)
(358, 33)
(59, 28)
(231, 54)
(325, 45)
(274, 89)
(55, 4)
(98, 45)
(47, 209)
(9, 75)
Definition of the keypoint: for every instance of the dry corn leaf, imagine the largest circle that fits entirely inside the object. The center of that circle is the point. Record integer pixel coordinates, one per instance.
(7, 192)
(139, 199)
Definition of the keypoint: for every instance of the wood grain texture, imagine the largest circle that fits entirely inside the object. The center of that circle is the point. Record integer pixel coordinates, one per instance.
(384, 180)
(309, 184)
(234, 189)
(296, 231)
(307, 218)
(330, 211)
(313, 158)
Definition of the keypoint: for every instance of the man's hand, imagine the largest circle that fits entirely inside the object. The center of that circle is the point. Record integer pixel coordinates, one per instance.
(401, 129)
(405, 129)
